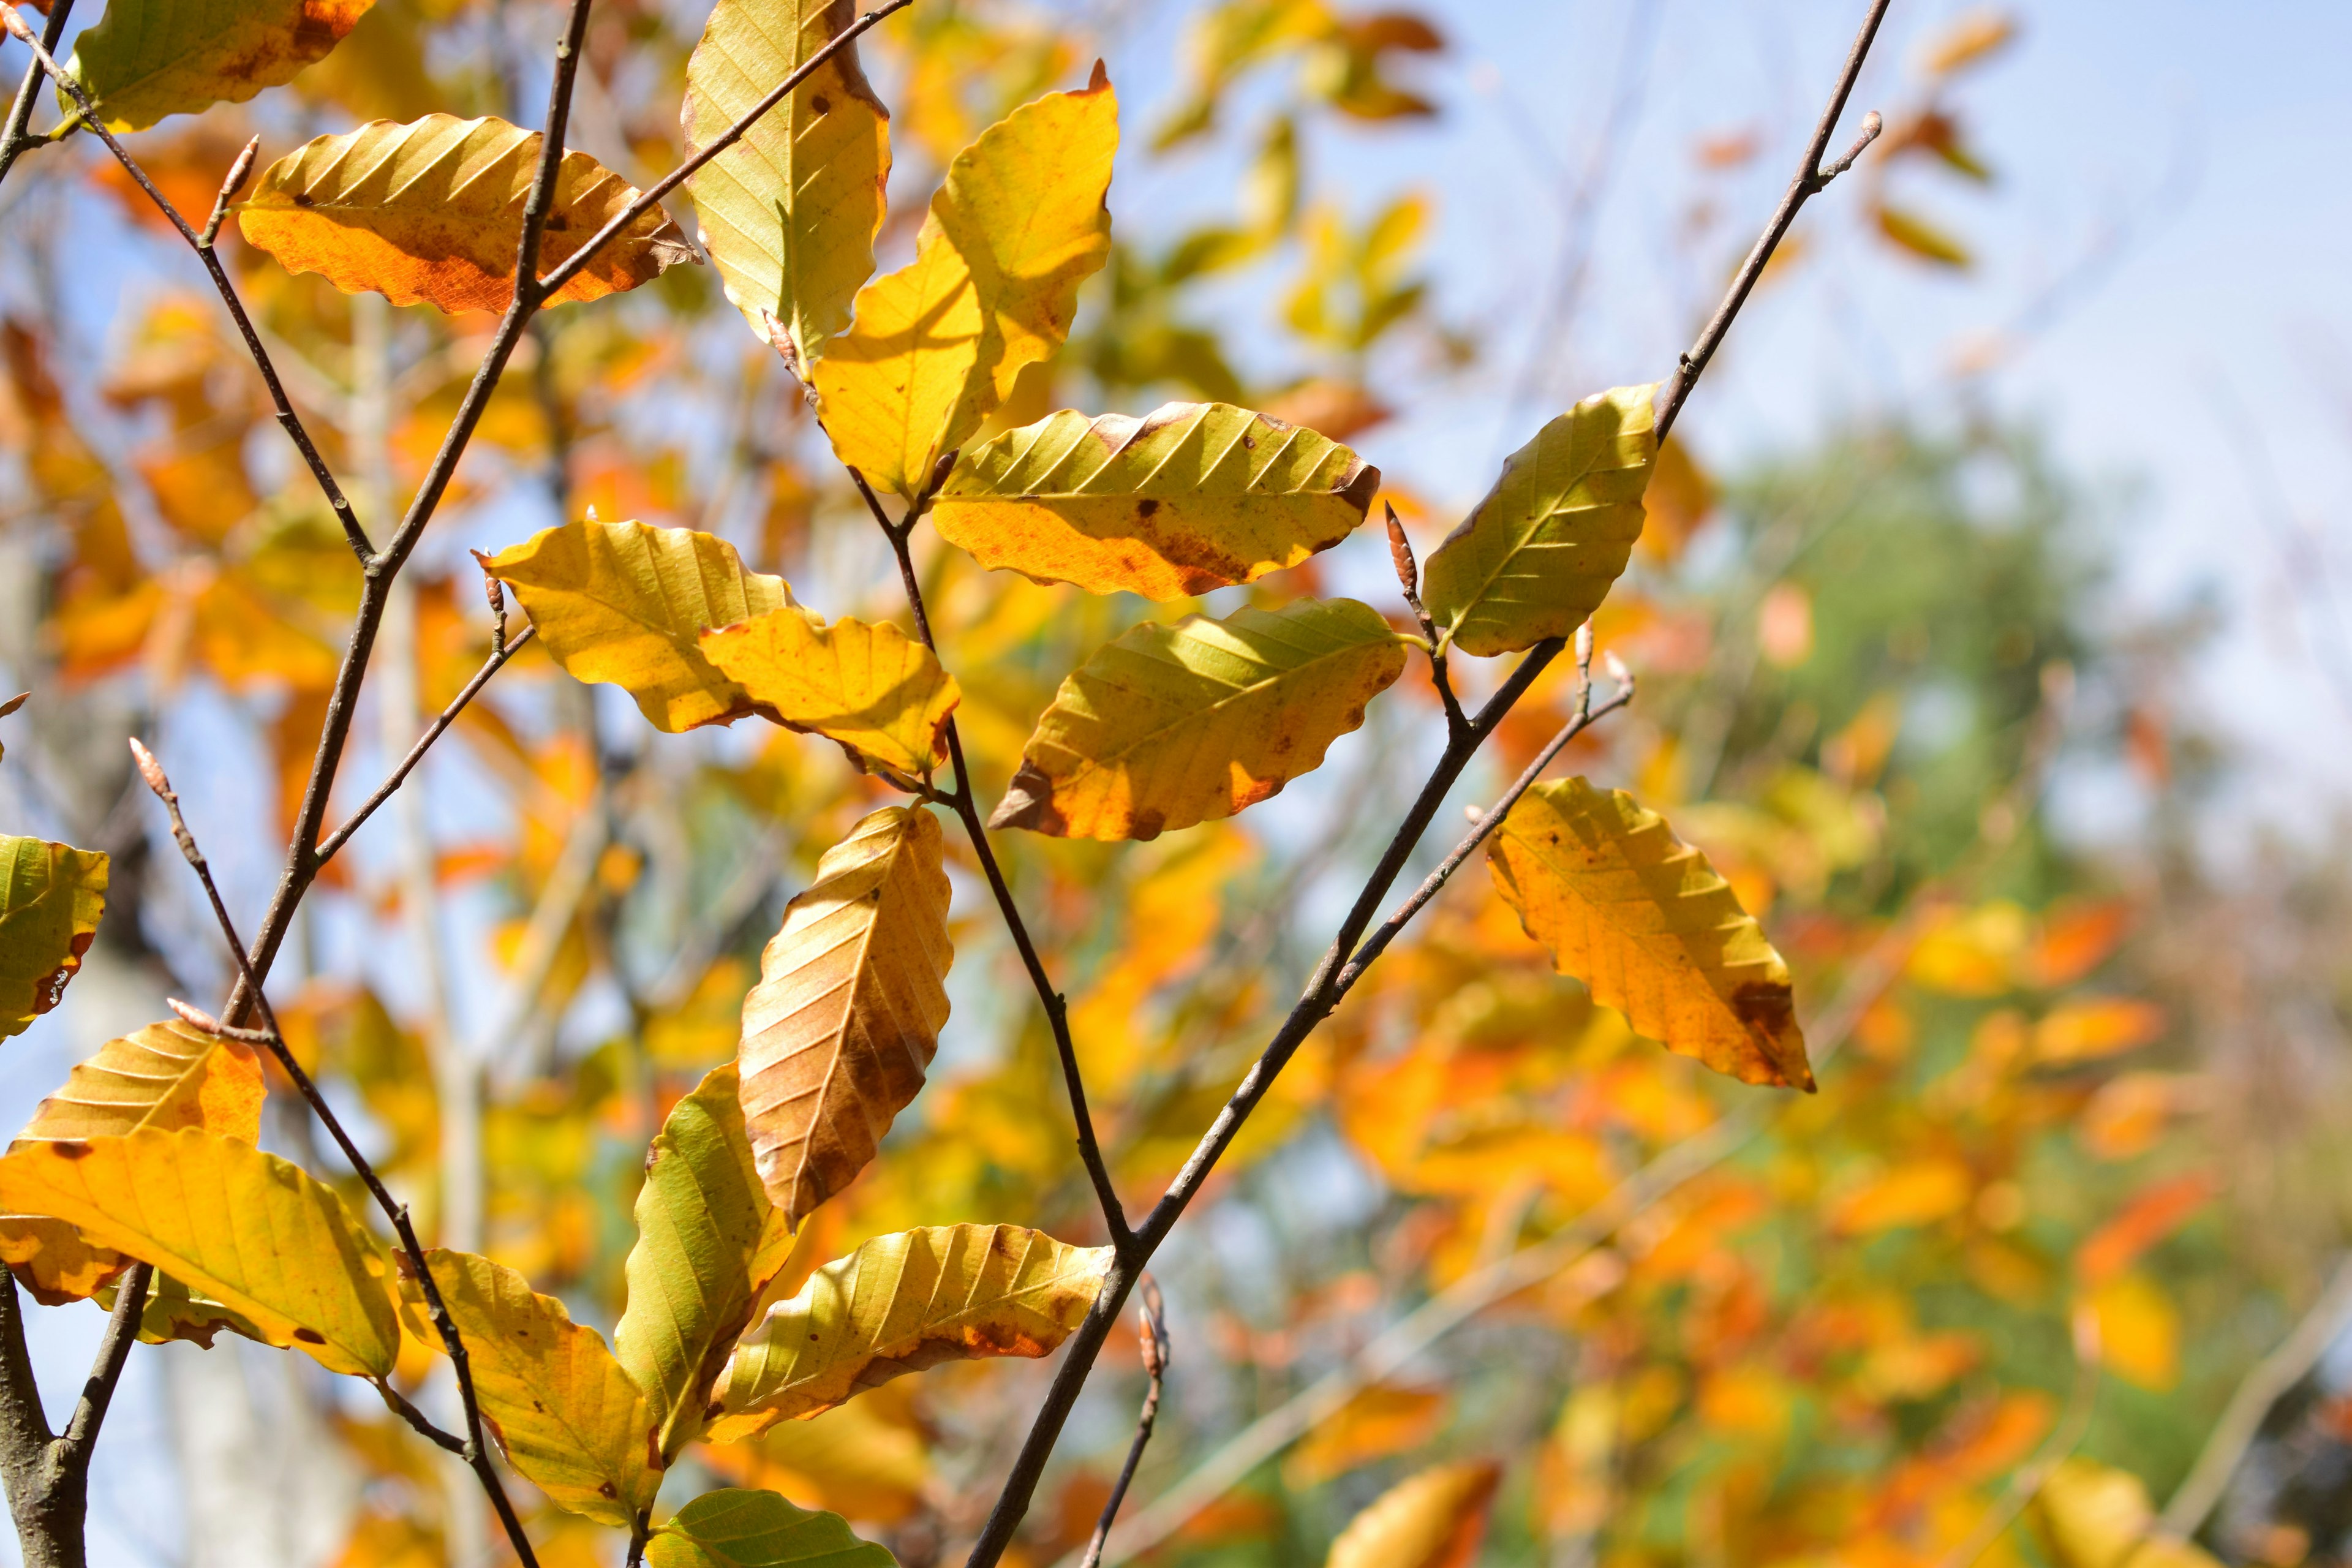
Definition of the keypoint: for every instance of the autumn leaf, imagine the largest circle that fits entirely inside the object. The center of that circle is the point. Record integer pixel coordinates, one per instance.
(1376, 1422)
(431, 212)
(709, 1242)
(846, 1016)
(935, 346)
(899, 1304)
(1431, 1519)
(2090, 1028)
(1539, 555)
(252, 1231)
(1967, 39)
(1172, 725)
(628, 603)
(2089, 1515)
(788, 213)
(173, 1313)
(733, 1528)
(570, 1419)
(51, 896)
(1909, 232)
(870, 687)
(1649, 926)
(2153, 1213)
(1193, 497)
(142, 62)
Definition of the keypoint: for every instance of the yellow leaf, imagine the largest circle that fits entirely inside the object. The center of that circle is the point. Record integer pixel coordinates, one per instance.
(2139, 1332)
(2091, 1516)
(1910, 232)
(1968, 38)
(250, 1230)
(731, 1528)
(1919, 1191)
(1646, 924)
(901, 1303)
(567, 1415)
(431, 212)
(708, 1244)
(172, 1312)
(140, 63)
(51, 896)
(1193, 497)
(788, 213)
(1539, 552)
(2093, 1028)
(1380, 1421)
(628, 603)
(872, 687)
(869, 1459)
(846, 1016)
(1971, 953)
(935, 346)
(1431, 1519)
(1172, 725)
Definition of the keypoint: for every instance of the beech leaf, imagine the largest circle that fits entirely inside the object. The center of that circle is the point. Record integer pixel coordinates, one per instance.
(51, 896)
(738, 1528)
(899, 1304)
(142, 62)
(872, 687)
(1651, 929)
(846, 1014)
(1172, 725)
(1431, 1519)
(1193, 497)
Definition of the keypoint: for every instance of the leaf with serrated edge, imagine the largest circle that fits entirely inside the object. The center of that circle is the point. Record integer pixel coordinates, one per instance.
(1646, 922)
(709, 1243)
(1431, 1519)
(788, 213)
(1540, 553)
(846, 1014)
(901, 1303)
(252, 1231)
(1172, 725)
(431, 212)
(1194, 496)
(570, 1419)
(628, 602)
(142, 62)
(870, 687)
(738, 1528)
(935, 346)
(166, 1075)
(51, 896)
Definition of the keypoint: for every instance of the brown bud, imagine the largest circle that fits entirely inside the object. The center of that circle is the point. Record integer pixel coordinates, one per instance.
(150, 769)
(1408, 571)
(196, 1017)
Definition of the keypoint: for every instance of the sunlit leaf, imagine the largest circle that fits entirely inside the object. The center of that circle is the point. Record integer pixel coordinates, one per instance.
(431, 212)
(568, 1416)
(1646, 922)
(2090, 1516)
(870, 687)
(1377, 1423)
(1194, 496)
(899, 1304)
(2153, 1213)
(51, 896)
(142, 62)
(789, 211)
(2091, 1028)
(1967, 39)
(709, 1242)
(1170, 725)
(628, 602)
(1431, 1519)
(174, 1314)
(733, 1528)
(846, 1016)
(1915, 1192)
(252, 1231)
(1908, 231)
(1539, 552)
(934, 347)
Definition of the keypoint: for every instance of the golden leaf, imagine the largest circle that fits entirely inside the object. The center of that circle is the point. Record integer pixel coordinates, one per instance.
(628, 603)
(899, 1304)
(140, 63)
(1539, 552)
(1193, 497)
(1431, 1519)
(51, 896)
(1172, 725)
(1646, 922)
(431, 212)
(872, 687)
(846, 1016)
(2090, 1516)
(732, 1528)
(1909, 232)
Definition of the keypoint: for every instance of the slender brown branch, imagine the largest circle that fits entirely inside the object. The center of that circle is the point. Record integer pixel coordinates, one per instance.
(1408, 571)
(1153, 1340)
(113, 1350)
(425, 1428)
(18, 136)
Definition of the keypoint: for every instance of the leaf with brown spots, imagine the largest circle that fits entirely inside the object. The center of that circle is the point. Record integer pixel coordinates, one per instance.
(1172, 725)
(901, 1303)
(1433, 1519)
(869, 685)
(1647, 924)
(431, 212)
(1195, 497)
(142, 62)
(568, 1416)
(51, 896)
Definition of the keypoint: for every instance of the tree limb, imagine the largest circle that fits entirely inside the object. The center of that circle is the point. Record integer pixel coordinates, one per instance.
(16, 137)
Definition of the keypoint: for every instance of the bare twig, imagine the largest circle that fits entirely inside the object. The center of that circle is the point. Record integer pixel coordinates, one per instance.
(1151, 1331)
(17, 136)
(231, 183)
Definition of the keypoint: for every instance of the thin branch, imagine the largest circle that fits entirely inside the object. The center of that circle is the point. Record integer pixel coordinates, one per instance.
(1151, 1333)
(1408, 571)
(17, 136)
(422, 1423)
(113, 1351)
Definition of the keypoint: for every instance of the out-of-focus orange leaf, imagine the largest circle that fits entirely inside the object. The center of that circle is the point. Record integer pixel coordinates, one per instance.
(2153, 1213)
(1335, 410)
(1856, 754)
(2130, 1112)
(1680, 498)
(2093, 1028)
(1433, 1519)
(1969, 952)
(2076, 936)
(1918, 1192)
(1911, 233)
(1379, 1422)
(1968, 39)
(2139, 1331)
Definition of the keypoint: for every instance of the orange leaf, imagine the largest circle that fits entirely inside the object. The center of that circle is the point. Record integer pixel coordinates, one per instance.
(2154, 1214)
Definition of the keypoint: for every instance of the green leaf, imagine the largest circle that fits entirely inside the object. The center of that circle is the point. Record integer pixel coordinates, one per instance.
(1172, 725)
(51, 896)
(146, 58)
(870, 687)
(1540, 553)
(709, 1243)
(1195, 496)
(735, 1528)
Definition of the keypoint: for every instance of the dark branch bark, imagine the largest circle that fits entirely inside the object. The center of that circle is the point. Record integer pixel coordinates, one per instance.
(1153, 1338)
(16, 137)
(47, 1476)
